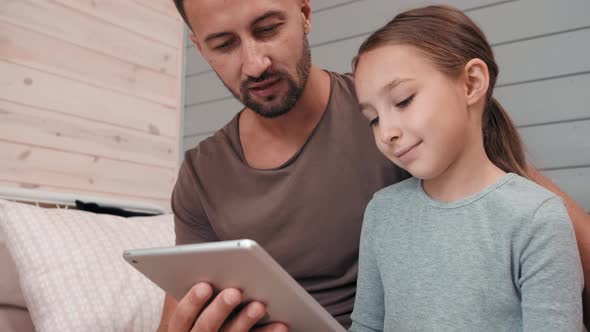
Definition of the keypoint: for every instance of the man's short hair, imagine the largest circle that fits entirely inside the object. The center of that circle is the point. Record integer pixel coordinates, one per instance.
(180, 7)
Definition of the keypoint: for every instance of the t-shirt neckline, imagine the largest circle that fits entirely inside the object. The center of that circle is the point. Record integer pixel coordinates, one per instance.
(236, 133)
(465, 201)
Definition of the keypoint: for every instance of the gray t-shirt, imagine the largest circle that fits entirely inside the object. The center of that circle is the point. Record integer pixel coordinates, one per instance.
(306, 213)
(504, 259)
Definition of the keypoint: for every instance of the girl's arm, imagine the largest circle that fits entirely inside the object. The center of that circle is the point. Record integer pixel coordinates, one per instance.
(581, 221)
(550, 277)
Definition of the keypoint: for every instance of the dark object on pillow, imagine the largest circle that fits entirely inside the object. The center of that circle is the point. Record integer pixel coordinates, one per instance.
(93, 207)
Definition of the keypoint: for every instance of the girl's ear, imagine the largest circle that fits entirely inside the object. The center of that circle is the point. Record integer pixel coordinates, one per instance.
(477, 81)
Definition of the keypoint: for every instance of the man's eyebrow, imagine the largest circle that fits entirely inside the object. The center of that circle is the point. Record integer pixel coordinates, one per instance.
(267, 15)
(216, 35)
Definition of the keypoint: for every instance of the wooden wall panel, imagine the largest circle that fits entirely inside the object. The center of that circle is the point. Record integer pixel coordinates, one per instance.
(90, 97)
(22, 46)
(49, 18)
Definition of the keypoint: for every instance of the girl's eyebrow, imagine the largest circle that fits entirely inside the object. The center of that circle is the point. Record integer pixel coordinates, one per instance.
(386, 89)
(392, 84)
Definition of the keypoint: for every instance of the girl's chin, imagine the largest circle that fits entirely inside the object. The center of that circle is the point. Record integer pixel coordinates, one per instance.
(422, 174)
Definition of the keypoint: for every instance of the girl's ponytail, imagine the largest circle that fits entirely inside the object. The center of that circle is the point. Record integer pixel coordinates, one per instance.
(502, 141)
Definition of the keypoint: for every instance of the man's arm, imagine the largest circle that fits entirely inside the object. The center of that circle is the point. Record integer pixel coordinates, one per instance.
(581, 222)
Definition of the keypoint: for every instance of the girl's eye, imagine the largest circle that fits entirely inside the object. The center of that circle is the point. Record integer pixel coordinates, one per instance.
(404, 103)
(374, 121)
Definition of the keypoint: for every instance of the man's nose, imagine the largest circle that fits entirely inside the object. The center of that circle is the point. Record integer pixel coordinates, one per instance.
(254, 60)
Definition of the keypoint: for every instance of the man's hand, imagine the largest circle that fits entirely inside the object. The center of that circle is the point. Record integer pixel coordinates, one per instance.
(195, 313)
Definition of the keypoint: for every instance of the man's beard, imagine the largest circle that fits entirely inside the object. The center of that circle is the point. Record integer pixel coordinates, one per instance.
(294, 90)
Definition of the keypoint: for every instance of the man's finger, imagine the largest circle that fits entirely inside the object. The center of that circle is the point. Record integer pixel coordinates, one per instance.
(189, 307)
(246, 318)
(217, 312)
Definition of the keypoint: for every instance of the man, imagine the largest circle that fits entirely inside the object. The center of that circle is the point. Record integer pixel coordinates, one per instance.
(293, 170)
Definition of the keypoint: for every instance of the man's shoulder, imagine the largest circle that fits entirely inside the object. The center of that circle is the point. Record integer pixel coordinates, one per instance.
(220, 143)
(344, 83)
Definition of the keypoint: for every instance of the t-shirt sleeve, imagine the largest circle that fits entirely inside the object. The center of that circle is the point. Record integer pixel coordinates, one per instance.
(190, 220)
(550, 278)
(368, 312)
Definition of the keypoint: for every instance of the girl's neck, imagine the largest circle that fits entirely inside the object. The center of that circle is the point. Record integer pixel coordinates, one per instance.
(470, 173)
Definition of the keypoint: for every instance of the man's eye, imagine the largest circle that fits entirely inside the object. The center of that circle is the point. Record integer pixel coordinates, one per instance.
(267, 30)
(225, 45)
(405, 102)
(374, 121)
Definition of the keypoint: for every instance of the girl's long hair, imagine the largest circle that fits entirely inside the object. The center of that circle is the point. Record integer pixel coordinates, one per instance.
(450, 39)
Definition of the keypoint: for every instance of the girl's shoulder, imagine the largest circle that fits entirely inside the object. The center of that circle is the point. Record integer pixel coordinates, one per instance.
(523, 194)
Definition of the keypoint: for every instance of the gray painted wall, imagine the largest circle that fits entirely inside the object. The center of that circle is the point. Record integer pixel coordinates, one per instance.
(542, 48)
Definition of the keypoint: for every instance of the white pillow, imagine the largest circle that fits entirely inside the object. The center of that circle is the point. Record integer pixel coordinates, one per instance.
(72, 272)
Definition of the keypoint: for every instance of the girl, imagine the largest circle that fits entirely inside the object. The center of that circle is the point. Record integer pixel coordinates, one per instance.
(469, 243)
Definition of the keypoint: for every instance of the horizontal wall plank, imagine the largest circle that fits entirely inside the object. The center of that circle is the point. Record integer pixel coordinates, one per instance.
(558, 145)
(32, 126)
(553, 55)
(60, 22)
(195, 63)
(159, 26)
(549, 16)
(559, 99)
(164, 203)
(46, 91)
(34, 165)
(193, 140)
(343, 22)
(205, 118)
(203, 88)
(505, 23)
(20, 45)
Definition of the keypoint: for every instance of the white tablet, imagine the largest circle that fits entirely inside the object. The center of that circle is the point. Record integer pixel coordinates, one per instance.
(241, 264)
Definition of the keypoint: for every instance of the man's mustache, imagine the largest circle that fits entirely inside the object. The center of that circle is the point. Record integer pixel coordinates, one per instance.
(264, 76)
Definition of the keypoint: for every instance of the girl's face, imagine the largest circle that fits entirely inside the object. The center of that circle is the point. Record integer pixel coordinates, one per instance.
(419, 115)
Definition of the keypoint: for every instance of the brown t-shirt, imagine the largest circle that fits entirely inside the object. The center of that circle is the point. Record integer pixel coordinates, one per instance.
(306, 213)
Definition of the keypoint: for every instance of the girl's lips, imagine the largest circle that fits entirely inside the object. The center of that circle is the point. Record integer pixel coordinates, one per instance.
(400, 154)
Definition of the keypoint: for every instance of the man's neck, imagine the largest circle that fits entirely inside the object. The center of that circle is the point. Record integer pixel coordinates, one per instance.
(305, 114)
(268, 143)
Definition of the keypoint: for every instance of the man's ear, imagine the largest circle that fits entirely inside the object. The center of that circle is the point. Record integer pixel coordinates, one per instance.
(306, 15)
(195, 41)
(477, 81)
